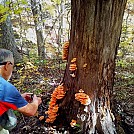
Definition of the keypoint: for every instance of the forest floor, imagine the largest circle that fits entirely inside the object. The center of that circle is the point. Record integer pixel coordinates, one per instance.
(42, 81)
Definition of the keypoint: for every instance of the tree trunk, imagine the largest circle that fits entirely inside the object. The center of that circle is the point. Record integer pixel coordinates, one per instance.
(36, 10)
(7, 39)
(95, 34)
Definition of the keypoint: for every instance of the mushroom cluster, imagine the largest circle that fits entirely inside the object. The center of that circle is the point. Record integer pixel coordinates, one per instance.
(73, 60)
(82, 97)
(58, 93)
(52, 113)
(73, 67)
(65, 51)
(73, 123)
(41, 118)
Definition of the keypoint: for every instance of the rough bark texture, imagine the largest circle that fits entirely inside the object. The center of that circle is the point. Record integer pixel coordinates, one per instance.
(36, 9)
(95, 34)
(7, 39)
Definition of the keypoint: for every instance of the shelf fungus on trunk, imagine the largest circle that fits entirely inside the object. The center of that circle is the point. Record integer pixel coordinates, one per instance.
(57, 94)
(82, 97)
(65, 51)
(73, 123)
(73, 67)
(41, 118)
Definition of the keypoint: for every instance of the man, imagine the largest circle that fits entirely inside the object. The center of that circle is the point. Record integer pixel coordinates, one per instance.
(10, 97)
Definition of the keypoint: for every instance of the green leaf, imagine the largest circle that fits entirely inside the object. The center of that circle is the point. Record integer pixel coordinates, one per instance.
(7, 2)
(3, 9)
(4, 17)
(24, 2)
(19, 11)
(77, 125)
(57, 1)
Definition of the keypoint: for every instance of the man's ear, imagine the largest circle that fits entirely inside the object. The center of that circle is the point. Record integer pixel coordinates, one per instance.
(6, 66)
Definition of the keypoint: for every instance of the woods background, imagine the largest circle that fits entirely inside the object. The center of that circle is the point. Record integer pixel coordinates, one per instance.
(36, 31)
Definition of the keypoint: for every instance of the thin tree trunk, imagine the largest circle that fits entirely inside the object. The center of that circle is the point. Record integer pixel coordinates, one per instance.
(36, 10)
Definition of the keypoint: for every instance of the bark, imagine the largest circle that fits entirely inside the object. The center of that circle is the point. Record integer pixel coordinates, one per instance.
(95, 34)
(7, 39)
(36, 10)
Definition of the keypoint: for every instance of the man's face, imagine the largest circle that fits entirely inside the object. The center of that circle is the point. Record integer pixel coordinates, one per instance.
(10, 68)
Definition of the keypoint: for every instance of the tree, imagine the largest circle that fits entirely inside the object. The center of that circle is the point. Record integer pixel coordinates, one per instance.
(36, 10)
(7, 39)
(89, 75)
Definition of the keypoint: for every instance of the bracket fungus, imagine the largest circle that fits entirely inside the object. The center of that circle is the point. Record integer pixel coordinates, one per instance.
(65, 51)
(41, 118)
(85, 65)
(82, 97)
(72, 67)
(73, 123)
(58, 93)
(52, 113)
(73, 60)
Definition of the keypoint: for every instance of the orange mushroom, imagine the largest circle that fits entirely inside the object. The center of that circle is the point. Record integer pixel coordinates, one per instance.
(83, 98)
(85, 65)
(48, 120)
(73, 60)
(55, 109)
(72, 67)
(73, 123)
(65, 51)
(58, 93)
(52, 114)
(41, 118)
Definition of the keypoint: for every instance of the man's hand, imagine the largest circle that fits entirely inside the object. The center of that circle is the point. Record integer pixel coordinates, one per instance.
(38, 99)
(27, 96)
(31, 108)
